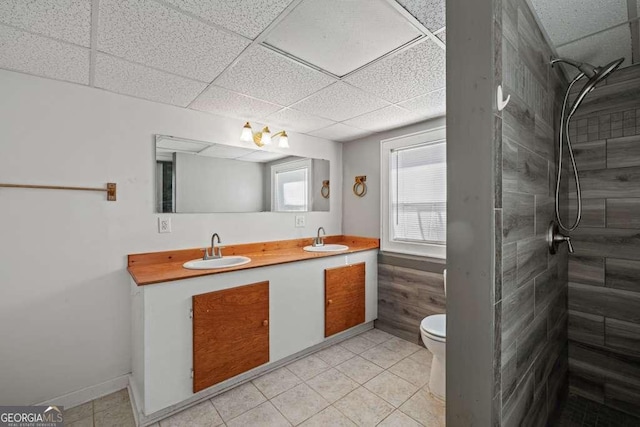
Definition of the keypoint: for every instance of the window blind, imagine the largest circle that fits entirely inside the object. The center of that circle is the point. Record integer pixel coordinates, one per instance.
(291, 190)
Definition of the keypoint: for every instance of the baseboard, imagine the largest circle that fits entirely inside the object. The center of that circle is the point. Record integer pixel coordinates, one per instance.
(89, 393)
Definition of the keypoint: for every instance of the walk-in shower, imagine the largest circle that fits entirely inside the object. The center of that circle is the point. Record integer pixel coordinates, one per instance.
(594, 75)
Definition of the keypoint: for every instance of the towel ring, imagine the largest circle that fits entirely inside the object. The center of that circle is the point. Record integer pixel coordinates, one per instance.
(325, 190)
(360, 188)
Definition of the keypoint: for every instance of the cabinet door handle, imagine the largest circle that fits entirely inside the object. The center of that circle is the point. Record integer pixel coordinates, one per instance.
(329, 302)
(265, 323)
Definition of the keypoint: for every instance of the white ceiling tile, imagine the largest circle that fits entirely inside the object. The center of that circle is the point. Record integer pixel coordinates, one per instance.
(431, 13)
(268, 75)
(297, 121)
(68, 20)
(340, 132)
(124, 77)
(569, 20)
(42, 56)
(340, 102)
(155, 35)
(218, 100)
(412, 72)
(600, 49)
(246, 17)
(442, 36)
(433, 104)
(364, 30)
(387, 118)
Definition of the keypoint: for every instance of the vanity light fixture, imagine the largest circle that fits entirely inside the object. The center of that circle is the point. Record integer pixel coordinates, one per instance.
(264, 137)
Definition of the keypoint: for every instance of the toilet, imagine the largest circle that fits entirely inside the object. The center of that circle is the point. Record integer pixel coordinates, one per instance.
(433, 330)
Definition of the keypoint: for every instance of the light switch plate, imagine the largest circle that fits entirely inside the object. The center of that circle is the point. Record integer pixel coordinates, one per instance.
(300, 221)
(164, 225)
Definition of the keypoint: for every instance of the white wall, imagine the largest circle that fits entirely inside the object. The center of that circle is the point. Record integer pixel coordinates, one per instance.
(361, 215)
(64, 289)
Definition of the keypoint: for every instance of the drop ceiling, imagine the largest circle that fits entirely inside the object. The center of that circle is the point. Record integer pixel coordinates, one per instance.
(593, 31)
(336, 69)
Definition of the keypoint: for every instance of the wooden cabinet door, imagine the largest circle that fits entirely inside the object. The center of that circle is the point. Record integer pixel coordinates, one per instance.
(230, 333)
(344, 291)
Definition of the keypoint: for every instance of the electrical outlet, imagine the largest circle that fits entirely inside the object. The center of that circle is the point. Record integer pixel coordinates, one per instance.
(300, 221)
(164, 225)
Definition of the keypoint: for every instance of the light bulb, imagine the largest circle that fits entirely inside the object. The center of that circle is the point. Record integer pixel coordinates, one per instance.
(247, 133)
(266, 136)
(284, 140)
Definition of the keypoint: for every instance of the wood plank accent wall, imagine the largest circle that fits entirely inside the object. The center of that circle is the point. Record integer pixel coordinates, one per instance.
(530, 293)
(604, 273)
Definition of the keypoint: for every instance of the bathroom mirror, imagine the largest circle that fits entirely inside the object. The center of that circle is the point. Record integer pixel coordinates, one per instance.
(205, 177)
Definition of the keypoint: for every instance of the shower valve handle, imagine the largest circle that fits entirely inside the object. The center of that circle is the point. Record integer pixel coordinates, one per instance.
(554, 238)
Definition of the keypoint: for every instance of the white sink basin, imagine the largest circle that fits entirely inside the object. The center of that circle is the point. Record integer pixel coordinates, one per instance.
(326, 248)
(224, 262)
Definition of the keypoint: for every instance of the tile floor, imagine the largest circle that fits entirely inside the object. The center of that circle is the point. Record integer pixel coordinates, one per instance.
(371, 379)
(580, 412)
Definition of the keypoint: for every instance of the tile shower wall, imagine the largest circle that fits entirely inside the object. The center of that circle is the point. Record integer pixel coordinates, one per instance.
(531, 285)
(604, 272)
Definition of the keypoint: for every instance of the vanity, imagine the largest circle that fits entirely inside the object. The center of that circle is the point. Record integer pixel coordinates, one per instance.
(198, 332)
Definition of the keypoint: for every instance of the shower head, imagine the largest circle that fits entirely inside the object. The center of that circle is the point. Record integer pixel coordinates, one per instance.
(594, 74)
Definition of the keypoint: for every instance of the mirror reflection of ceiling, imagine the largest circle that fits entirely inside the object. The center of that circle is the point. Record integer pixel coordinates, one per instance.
(593, 31)
(336, 69)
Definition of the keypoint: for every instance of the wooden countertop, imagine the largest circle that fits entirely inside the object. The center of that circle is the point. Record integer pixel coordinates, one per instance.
(157, 267)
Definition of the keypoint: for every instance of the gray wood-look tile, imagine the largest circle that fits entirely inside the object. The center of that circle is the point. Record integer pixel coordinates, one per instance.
(589, 389)
(515, 409)
(544, 139)
(509, 165)
(624, 398)
(623, 274)
(546, 285)
(545, 213)
(623, 213)
(593, 212)
(509, 269)
(610, 183)
(533, 173)
(586, 270)
(517, 313)
(611, 98)
(531, 342)
(623, 336)
(591, 155)
(531, 258)
(623, 152)
(602, 301)
(607, 242)
(586, 328)
(518, 212)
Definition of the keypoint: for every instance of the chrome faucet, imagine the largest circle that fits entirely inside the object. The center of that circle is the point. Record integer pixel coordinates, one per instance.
(555, 237)
(319, 241)
(213, 255)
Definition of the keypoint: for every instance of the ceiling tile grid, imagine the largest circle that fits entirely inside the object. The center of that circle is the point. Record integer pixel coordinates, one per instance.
(265, 74)
(414, 71)
(386, 118)
(68, 20)
(28, 53)
(149, 33)
(296, 121)
(124, 77)
(339, 102)
(340, 132)
(431, 105)
(221, 101)
(246, 17)
(430, 13)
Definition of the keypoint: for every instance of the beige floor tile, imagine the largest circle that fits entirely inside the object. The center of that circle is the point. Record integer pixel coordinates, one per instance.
(308, 367)
(334, 355)
(399, 419)
(425, 409)
(382, 356)
(391, 388)
(357, 344)
(264, 415)
(84, 422)
(423, 356)
(402, 347)
(359, 369)
(78, 413)
(120, 415)
(332, 385)
(299, 403)
(329, 417)
(110, 400)
(363, 407)
(376, 335)
(237, 401)
(413, 371)
(201, 415)
(276, 382)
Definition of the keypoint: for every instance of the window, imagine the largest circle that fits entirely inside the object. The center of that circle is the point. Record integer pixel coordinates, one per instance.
(290, 186)
(414, 194)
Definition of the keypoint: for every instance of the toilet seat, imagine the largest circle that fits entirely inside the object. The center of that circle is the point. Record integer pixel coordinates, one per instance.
(435, 327)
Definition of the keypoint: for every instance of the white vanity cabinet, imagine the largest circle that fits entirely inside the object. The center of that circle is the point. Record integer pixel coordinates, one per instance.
(162, 335)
